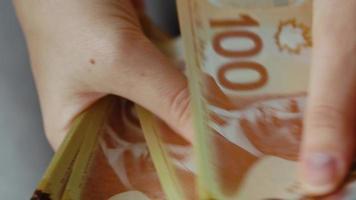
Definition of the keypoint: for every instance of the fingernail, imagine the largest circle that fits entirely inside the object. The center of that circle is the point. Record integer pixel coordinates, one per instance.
(320, 173)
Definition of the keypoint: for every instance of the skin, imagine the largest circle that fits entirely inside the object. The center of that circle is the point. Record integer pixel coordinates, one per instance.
(329, 137)
(83, 50)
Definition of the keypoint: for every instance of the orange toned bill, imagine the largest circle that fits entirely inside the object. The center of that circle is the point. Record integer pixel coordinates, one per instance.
(248, 65)
(131, 160)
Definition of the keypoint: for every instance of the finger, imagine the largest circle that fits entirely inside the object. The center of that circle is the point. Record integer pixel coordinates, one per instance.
(329, 138)
(148, 78)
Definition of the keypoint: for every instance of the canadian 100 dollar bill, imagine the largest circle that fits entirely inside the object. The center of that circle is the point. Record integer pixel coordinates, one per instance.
(248, 66)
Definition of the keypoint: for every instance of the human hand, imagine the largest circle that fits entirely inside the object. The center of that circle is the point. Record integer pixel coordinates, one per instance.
(84, 50)
(329, 140)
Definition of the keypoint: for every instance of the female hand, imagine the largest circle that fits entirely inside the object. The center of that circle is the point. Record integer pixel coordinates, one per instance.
(85, 49)
(330, 135)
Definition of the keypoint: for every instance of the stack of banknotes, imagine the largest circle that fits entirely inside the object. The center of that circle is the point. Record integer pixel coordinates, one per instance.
(247, 63)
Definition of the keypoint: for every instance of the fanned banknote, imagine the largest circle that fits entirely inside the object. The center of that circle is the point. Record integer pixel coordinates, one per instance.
(248, 65)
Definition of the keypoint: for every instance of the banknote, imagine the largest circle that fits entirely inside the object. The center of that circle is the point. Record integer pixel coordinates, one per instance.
(248, 67)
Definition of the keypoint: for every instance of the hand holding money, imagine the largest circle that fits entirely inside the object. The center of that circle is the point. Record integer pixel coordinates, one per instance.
(84, 50)
(258, 54)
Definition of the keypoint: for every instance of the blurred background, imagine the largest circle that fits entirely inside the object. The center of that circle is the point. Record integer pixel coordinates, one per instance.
(24, 151)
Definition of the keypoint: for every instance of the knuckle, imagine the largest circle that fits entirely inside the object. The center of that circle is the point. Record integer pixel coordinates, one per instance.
(326, 117)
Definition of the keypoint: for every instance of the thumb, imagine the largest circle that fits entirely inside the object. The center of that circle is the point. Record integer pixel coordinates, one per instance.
(329, 139)
(150, 79)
